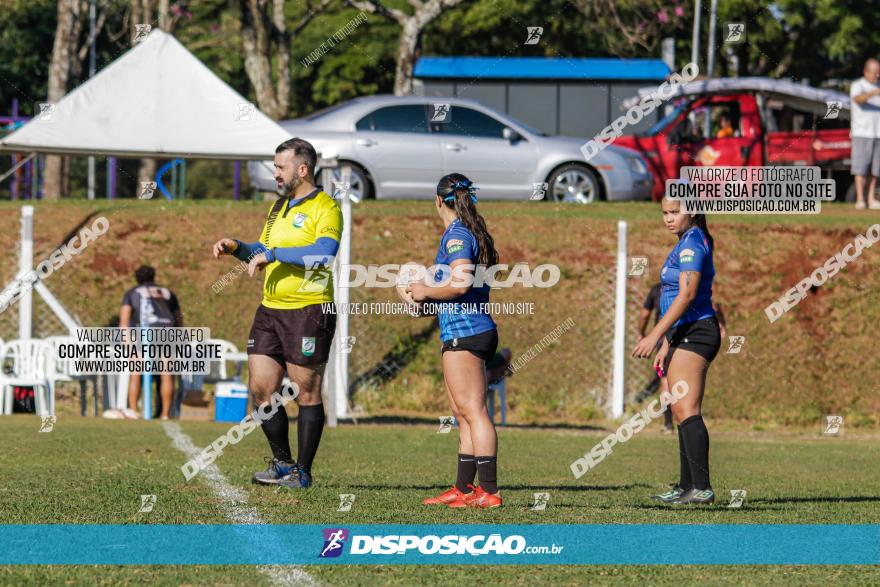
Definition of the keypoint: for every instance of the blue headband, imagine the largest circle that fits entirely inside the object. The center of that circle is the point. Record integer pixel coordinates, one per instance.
(464, 184)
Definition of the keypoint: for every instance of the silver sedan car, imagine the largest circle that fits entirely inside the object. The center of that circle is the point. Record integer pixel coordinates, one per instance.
(398, 147)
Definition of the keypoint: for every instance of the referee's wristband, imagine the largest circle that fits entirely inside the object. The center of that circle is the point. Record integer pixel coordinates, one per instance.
(270, 255)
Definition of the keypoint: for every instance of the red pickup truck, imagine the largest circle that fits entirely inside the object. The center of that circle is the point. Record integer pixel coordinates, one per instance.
(748, 121)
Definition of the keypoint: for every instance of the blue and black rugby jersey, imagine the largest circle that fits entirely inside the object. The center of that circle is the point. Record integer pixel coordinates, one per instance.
(692, 253)
(459, 243)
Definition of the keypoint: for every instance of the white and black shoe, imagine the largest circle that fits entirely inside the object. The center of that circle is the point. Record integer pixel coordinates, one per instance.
(696, 496)
(671, 495)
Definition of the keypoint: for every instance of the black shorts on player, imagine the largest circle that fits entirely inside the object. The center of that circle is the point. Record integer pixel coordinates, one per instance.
(702, 337)
(301, 337)
(481, 345)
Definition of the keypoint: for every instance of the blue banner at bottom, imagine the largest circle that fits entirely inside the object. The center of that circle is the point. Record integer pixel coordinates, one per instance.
(446, 544)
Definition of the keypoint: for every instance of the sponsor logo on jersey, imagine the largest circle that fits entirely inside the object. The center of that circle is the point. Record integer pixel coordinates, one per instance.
(308, 346)
(454, 245)
(330, 230)
(686, 255)
(299, 220)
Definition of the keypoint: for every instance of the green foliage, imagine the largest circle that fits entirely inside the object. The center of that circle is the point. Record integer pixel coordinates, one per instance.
(802, 39)
(27, 30)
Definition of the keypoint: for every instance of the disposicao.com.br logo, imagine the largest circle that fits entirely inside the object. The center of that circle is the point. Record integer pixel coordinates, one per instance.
(476, 545)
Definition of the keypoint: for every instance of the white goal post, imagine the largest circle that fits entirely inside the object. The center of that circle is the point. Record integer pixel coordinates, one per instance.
(335, 385)
(619, 352)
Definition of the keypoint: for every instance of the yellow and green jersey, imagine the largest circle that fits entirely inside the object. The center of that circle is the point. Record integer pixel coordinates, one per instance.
(299, 224)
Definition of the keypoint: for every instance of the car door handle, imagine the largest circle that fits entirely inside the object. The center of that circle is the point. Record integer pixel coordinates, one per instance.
(366, 142)
(455, 147)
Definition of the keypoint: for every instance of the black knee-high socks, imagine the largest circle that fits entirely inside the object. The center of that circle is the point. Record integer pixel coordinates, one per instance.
(487, 468)
(276, 429)
(310, 426)
(684, 479)
(695, 438)
(467, 472)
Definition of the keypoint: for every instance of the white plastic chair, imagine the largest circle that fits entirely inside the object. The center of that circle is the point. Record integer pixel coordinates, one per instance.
(217, 370)
(28, 358)
(64, 370)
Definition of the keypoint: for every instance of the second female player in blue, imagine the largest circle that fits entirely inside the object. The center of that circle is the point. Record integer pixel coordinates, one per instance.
(692, 339)
(469, 338)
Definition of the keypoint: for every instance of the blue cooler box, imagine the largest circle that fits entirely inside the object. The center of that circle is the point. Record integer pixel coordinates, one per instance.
(230, 401)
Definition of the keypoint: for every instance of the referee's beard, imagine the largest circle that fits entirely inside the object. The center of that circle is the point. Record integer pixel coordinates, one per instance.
(288, 189)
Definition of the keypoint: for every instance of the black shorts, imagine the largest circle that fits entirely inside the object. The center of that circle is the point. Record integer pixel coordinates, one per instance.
(301, 337)
(482, 345)
(702, 337)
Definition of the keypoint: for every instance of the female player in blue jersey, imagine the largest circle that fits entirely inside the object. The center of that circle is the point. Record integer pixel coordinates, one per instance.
(469, 338)
(692, 339)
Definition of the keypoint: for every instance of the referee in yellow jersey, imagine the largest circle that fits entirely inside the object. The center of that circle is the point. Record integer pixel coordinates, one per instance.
(290, 330)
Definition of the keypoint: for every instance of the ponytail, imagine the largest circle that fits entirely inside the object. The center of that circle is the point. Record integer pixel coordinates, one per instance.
(700, 222)
(459, 194)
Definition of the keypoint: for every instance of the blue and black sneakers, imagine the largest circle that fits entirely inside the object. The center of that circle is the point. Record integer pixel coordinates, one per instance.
(277, 470)
(296, 479)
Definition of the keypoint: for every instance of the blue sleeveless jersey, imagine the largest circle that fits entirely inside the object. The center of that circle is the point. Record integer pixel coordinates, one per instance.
(692, 253)
(455, 321)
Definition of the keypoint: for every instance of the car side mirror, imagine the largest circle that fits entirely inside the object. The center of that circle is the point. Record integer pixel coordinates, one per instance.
(510, 134)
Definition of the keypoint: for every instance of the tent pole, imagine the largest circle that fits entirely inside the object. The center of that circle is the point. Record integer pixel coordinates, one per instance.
(236, 181)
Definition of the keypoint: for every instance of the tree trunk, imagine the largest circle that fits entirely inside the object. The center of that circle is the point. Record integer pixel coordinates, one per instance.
(411, 27)
(256, 41)
(282, 59)
(142, 13)
(69, 13)
(406, 57)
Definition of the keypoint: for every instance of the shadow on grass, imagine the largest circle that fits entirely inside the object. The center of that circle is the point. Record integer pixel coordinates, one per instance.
(511, 487)
(851, 499)
(436, 422)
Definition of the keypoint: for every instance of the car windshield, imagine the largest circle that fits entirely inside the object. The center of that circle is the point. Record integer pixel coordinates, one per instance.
(324, 111)
(666, 120)
(534, 131)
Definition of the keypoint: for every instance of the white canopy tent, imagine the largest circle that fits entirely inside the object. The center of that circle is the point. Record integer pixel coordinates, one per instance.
(159, 101)
(156, 100)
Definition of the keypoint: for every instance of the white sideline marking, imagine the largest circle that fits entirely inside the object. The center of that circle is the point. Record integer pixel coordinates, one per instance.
(238, 511)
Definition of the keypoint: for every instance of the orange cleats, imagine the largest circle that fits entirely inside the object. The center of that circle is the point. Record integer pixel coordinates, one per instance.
(447, 497)
(478, 499)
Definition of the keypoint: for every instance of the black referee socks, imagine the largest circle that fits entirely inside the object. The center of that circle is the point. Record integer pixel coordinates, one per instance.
(696, 442)
(684, 479)
(467, 471)
(276, 429)
(487, 467)
(310, 426)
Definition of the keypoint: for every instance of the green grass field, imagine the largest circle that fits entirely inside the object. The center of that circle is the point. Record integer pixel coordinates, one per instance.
(90, 471)
(759, 257)
(764, 406)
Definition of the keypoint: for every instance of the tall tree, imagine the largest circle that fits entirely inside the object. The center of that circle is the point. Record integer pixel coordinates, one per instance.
(166, 16)
(266, 41)
(64, 50)
(411, 28)
(635, 28)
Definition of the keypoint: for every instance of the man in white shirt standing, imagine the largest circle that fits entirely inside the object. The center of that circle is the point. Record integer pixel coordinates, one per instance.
(865, 121)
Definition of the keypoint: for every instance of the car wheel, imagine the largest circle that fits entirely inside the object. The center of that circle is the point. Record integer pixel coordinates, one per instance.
(360, 188)
(574, 183)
